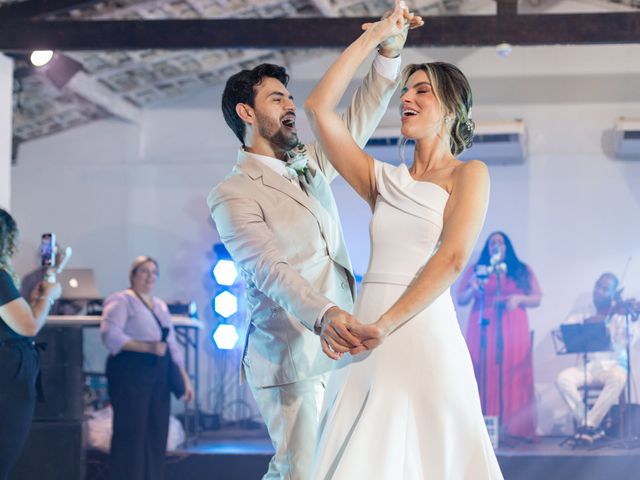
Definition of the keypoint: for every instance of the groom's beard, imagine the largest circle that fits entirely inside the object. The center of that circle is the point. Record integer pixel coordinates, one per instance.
(276, 133)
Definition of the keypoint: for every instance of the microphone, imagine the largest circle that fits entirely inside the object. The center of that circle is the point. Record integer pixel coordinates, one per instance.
(496, 263)
(482, 272)
(495, 255)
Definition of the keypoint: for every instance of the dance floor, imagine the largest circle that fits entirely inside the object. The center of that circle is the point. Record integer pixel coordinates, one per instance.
(244, 455)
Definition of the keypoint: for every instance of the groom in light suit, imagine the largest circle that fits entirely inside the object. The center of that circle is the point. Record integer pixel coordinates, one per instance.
(276, 215)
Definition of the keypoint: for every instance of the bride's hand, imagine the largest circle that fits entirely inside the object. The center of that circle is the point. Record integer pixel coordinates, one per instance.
(371, 336)
(392, 29)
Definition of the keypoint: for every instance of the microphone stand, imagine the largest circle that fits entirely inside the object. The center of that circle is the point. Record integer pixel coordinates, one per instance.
(483, 321)
(499, 310)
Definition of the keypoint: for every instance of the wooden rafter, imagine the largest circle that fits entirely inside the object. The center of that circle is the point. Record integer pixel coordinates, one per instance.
(38, 8)
(286, 33)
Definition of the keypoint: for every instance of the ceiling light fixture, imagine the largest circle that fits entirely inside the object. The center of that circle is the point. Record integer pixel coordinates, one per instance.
(39, 58)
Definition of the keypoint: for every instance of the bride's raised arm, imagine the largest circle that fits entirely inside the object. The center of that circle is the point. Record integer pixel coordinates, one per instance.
(347, 157)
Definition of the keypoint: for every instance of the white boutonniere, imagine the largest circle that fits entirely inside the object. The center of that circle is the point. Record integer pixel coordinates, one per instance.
(298, 162)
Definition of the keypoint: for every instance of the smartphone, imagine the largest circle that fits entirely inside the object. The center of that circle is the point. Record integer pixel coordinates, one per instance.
(47, 250)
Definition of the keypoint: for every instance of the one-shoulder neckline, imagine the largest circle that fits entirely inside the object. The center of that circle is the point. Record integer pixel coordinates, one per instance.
(406, 169)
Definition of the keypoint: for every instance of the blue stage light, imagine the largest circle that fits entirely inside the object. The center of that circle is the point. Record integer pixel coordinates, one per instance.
(225, 304)
(225, 272)
(225, 336)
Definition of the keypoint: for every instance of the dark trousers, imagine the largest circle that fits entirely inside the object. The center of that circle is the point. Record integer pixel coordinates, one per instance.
(19, 368)
(139, 392)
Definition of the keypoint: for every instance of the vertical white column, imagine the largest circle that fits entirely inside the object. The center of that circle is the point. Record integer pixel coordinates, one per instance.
(6, 113)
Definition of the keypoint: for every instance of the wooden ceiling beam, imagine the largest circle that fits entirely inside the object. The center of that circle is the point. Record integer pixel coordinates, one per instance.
(306, 33)
(39, 8)
(507, 7)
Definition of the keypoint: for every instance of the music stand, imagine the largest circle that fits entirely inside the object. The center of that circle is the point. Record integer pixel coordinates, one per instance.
(584, 338)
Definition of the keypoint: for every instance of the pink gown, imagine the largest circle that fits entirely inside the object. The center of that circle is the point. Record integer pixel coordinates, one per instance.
(519, 408)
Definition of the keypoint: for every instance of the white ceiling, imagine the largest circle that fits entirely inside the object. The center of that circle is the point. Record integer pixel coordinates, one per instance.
(123, 83)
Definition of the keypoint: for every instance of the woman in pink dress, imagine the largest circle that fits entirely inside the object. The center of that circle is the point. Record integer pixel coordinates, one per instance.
(510, 287)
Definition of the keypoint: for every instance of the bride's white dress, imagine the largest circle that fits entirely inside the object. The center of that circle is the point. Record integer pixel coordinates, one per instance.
(409, 409)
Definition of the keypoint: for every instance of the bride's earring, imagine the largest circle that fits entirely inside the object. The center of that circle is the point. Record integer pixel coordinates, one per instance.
(448, 121)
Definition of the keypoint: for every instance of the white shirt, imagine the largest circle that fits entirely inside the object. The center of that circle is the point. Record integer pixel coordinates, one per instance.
(276, 165)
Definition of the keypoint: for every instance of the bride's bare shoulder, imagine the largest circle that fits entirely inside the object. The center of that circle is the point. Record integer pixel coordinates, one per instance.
(471, 170)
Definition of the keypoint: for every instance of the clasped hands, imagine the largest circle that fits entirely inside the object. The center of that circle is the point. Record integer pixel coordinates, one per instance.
(393, 28)
(342, 332)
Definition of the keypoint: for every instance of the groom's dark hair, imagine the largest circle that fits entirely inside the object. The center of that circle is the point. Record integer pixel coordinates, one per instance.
(240, 88)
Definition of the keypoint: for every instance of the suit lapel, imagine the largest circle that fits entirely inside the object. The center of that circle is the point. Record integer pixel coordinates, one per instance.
(318, 200)
(259, 172)
(319, 187)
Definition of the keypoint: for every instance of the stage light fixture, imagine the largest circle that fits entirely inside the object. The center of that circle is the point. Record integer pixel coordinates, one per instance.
(225, 304)
(225, 336)
(39, 58)
(225, 272)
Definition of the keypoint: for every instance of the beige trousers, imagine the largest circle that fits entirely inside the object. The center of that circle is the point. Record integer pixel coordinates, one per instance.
(292, 415)
(613, 377)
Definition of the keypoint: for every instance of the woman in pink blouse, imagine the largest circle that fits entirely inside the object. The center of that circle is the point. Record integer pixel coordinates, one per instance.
(136, 328)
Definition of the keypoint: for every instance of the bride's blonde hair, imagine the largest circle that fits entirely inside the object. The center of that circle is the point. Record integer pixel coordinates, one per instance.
(453, 91)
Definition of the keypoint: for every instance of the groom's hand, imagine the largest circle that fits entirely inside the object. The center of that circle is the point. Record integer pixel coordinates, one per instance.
(392, 46)
(335, 336)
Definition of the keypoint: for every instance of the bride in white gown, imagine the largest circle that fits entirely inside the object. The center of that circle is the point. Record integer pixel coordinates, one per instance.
(407, 407)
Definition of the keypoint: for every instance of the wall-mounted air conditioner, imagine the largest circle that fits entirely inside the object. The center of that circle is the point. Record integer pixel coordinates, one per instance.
(495, 143)
(626, 138)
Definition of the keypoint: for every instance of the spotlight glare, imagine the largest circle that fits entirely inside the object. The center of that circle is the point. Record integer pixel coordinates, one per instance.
(39, 58)
(225, 304)
(225, 272)
(225, 337)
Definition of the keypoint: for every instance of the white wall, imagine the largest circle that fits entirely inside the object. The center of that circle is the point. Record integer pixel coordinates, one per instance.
(113, 191)
(6, 107)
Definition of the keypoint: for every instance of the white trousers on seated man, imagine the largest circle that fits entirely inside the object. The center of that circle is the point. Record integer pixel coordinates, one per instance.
(292, 415)
(609, 374)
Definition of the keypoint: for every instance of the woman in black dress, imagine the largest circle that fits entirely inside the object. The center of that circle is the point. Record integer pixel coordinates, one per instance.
(19, 364)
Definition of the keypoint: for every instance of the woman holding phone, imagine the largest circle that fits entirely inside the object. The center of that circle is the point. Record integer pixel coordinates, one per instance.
(19, 361)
